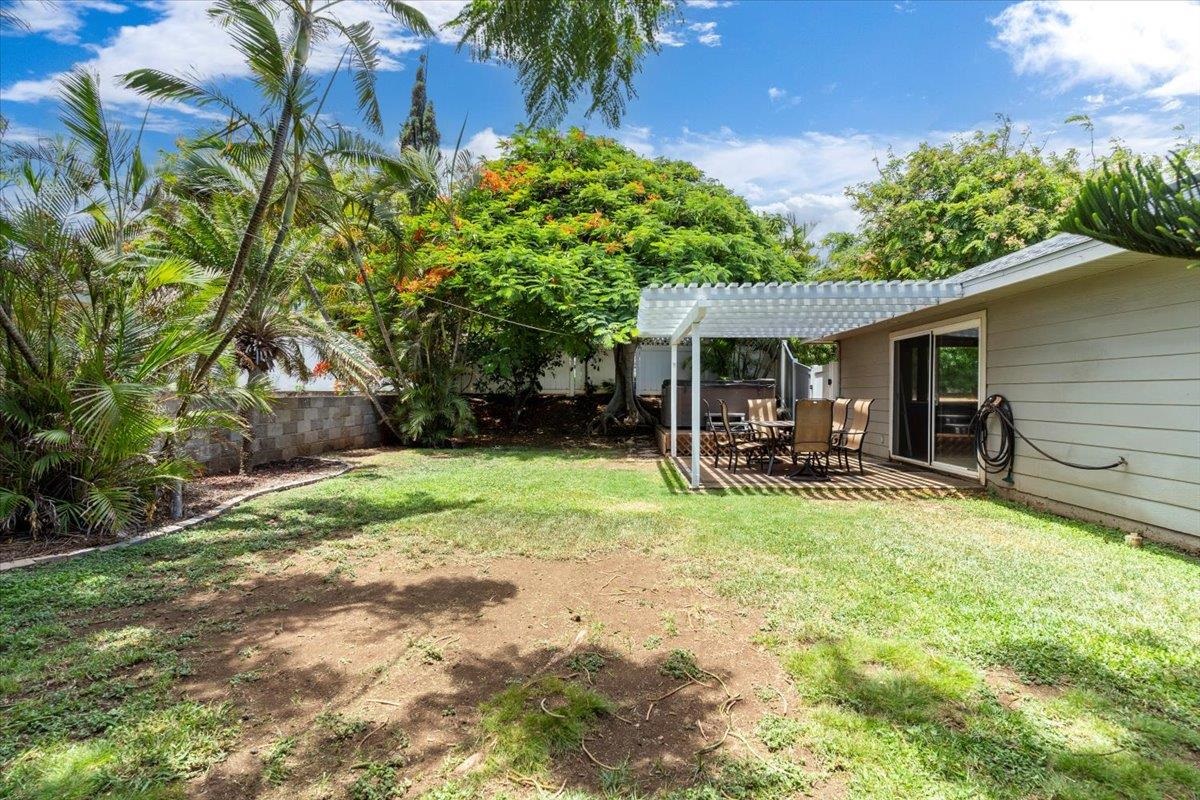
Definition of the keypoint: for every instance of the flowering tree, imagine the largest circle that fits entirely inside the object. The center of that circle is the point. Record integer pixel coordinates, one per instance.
(549, 253)
(942, 209)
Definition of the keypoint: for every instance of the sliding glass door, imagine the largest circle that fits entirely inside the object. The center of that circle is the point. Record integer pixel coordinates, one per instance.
(956, 396)
(910, 398)
(937, 377)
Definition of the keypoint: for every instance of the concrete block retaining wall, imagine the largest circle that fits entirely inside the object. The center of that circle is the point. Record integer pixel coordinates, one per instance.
(300, 425)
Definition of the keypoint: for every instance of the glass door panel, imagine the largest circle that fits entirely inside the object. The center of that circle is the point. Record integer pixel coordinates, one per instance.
(956, 396)
(910, 397)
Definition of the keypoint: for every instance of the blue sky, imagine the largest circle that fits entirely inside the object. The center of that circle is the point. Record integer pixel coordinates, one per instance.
(785, 102)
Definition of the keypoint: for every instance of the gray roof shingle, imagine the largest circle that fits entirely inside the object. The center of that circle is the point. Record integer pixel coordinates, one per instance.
(1043, 248)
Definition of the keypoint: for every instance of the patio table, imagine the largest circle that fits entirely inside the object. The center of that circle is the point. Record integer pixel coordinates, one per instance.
(774, 428)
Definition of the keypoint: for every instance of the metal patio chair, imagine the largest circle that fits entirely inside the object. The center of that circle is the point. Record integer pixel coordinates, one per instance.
(851, 439)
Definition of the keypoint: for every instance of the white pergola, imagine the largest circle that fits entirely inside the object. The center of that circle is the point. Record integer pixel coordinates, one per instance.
(809, 311)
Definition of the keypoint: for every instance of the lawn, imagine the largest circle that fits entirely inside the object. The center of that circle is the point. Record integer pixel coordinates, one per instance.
(511, 623)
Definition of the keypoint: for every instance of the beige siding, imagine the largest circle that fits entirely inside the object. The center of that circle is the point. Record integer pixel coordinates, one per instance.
(1096, 368)
(863, 372)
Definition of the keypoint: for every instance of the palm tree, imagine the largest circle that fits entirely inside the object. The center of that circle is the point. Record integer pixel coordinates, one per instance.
(279, 67)
(274, 328)
(98, 334)
(557, 48)
(563, 48)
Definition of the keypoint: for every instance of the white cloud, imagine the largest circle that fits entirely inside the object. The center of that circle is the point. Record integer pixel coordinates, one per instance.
(60, 22)
(782, 97)
(638, 138)
(484, 144)
(182, 39)
(706, 33)
(708, 4)
(1142, 132)
(1094, 99)
(670, 39)
(806, 173)
(1148, 47)
(17, 133)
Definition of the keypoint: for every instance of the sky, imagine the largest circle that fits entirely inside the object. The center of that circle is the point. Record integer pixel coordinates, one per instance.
(787, 103)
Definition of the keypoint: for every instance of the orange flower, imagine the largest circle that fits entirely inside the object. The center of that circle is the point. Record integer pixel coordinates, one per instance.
(423, 283)
(320, 368)
(492, 181)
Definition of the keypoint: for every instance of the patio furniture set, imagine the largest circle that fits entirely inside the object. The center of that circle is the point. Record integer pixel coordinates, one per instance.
(819, 431)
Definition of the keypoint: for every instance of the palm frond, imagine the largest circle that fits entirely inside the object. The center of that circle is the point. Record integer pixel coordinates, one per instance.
(252, 28)
(408, 15)
(83, 115)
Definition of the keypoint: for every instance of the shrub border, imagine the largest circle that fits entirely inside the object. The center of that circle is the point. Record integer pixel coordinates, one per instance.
(184, 524)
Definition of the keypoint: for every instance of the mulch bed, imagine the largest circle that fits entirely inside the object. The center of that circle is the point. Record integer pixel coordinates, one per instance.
(199, 495)
(558, 422)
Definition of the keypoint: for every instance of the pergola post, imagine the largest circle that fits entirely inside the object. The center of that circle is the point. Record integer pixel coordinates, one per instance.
(782, 372)
(688, 326)
(695, 408)
(674, 400)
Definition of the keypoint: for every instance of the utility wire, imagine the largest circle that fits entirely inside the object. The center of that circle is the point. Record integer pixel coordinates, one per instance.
(498, 319)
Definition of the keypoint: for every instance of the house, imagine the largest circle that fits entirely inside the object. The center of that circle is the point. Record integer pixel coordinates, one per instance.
(1097, 349)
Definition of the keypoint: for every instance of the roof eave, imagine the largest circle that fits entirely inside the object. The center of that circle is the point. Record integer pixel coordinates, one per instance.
(1074, 256)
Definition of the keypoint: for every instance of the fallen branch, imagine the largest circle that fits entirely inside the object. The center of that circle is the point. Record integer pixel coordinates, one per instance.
(727, 709)
(377, 729)
(579, 639)
(595, 760)
(547, 711)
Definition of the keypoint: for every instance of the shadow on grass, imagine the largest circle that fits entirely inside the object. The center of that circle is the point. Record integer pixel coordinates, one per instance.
(276, 647)
(1109, 535)
(965, 734)
(525, 453)
(677, 483)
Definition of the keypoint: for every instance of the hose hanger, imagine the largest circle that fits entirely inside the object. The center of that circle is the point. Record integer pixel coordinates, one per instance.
(1002, 458)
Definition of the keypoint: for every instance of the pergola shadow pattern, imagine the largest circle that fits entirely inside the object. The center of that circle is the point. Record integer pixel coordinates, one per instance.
(881, 480)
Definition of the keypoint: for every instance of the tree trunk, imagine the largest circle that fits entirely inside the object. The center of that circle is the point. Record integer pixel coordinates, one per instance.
(380, 322)
(18, 341)
(246, 450)
(315, 296)
(624, 408)
(258, 214)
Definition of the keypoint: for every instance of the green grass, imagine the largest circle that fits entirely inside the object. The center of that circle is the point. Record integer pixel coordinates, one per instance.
(888, 616)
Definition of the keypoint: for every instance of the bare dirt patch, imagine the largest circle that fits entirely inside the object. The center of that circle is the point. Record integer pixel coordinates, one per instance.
(391, 666)
(1011, 691)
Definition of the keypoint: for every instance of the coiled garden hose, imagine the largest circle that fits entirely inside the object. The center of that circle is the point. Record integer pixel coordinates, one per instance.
(1002, 458)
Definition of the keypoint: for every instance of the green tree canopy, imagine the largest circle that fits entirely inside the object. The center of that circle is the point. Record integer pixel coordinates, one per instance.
(942, 209)
(573, 226)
